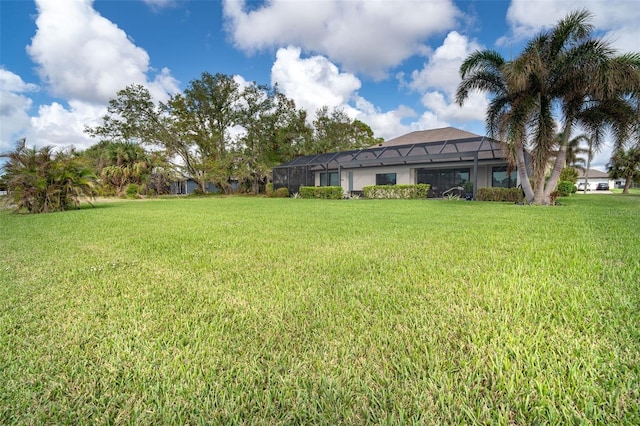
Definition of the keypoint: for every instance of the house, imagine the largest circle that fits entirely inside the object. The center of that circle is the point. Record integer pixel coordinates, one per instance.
(444, 158)
(594, 178)
(188, 186)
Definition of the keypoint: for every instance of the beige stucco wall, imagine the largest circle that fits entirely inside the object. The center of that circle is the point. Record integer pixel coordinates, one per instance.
(404, 174)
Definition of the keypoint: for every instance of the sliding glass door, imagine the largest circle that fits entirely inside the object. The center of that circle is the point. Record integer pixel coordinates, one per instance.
(442, 180)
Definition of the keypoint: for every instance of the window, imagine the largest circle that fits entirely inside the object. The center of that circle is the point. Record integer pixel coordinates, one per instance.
(500, 178)
(385, 179)
(334, 179)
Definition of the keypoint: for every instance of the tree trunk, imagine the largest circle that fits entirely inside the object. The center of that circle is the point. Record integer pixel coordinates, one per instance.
(522, 173)
(627, 183)
(256, 184)
(558, 165)
(538, 193)
(586, 172)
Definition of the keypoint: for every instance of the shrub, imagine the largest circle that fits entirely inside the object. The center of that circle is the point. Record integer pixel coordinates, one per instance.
(323, 192)
(569, 174)
(396, 191)
(282, 192)
(566, 188)
(133, 190)
(42, 181)
(513, 195)
(268, 189)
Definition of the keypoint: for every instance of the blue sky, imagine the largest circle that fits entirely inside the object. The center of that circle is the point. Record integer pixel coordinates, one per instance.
(392, 64)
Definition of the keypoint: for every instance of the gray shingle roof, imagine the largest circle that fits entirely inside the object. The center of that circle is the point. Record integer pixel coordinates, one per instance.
(433, 135)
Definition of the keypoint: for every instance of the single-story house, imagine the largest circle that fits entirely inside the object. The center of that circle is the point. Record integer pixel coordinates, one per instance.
(444, 158)
(595, 177)
(187, 186)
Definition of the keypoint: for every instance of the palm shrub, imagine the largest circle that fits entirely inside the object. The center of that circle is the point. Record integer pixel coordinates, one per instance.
(41, 181)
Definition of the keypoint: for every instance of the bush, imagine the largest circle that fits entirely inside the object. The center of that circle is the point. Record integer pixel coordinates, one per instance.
(566, 188)
(323, 192)
(569, 174)
(513, 195)
(133, 190)
(282, 192)
(268, 189)
(396, 191)
(42, 181)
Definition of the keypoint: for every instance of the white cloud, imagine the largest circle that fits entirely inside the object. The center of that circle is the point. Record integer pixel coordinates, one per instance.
(617, 18)
(315, 82)
(363, 36)
(82, 55)
(312, 82)
(84, 59)
(438, 81)
(58, 126)
(14, 107)
(385, 124)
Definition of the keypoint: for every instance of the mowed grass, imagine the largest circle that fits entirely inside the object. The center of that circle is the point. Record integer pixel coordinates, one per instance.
(287, 311)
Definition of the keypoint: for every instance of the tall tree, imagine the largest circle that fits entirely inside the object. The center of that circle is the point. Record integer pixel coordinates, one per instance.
(273, 126)
(565, 76)
(509, 110)
(205, 116)
(335, 131)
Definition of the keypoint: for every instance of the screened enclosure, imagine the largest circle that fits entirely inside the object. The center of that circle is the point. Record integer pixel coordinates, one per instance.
(326, 169)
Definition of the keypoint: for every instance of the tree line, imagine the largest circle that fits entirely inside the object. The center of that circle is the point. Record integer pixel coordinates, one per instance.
(217, 131)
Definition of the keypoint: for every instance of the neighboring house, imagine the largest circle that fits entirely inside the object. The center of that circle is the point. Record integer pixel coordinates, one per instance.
(444, 158)
(595, 177)
(187, 186)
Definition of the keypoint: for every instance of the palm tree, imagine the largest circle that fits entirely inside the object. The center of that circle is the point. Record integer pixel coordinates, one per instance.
(574, 151)
(563, 76)
(40, 181)
(507, 113)
(625, 164)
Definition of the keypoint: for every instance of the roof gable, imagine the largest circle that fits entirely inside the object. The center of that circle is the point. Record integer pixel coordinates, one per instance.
(433, 135)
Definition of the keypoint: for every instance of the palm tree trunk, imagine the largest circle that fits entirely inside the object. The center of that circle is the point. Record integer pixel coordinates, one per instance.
(558, 165)
(586, 172)
(538, 192)
(555, 173)
(627, 183)
(522, 173)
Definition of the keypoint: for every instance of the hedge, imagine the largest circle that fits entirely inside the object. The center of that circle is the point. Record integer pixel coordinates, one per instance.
(500, 194)
(324, 192)
(396, 191)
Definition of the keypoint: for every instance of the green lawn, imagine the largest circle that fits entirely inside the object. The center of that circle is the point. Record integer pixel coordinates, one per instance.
(288, 311)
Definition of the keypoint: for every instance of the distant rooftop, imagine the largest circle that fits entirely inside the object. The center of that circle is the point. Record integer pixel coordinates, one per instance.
(593, 173)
